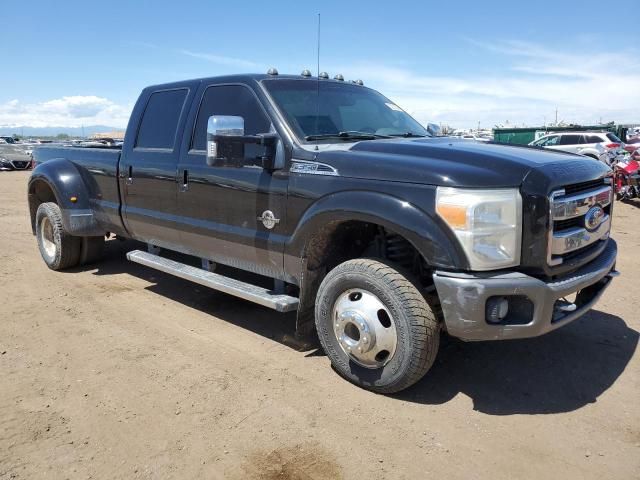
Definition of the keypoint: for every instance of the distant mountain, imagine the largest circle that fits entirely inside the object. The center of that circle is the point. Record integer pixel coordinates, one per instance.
(53, 131)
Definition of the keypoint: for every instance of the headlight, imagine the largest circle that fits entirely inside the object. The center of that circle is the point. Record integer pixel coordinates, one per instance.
(488, 224)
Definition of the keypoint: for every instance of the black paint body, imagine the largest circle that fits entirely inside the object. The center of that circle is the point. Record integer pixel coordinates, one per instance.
(173, 199)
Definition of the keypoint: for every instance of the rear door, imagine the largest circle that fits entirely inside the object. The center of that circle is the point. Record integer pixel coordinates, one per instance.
(148, 171)
(220, 206)
(591, 140)
(570, 142)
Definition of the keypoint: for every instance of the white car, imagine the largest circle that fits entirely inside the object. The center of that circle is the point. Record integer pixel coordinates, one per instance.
(603, 146)
(477, 138)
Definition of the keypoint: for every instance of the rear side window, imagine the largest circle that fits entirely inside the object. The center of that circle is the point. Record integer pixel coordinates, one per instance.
(235, 100)
(159, 123)
(594, 139)
(569, 139)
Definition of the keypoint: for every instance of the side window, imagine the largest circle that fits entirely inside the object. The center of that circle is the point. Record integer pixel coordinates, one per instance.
(569, 140)
(231, 100)
(553, 140)
(159, 123)
(594, 139)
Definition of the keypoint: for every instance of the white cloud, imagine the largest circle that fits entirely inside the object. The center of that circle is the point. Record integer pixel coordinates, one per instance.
(585, 86)
(72, 111)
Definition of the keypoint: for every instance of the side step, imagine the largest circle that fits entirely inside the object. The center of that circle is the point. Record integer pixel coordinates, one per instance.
(246, 291)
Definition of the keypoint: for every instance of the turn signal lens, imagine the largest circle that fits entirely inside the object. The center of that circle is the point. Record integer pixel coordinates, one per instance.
(454, 215)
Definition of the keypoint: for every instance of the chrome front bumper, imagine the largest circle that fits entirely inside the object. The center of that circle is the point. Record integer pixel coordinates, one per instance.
(463, 298)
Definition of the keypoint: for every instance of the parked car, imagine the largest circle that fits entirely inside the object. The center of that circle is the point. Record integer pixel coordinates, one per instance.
(380, 237)
(477, 138)
(8, 139)
(14, 157)
(603, 146)
(632, 145)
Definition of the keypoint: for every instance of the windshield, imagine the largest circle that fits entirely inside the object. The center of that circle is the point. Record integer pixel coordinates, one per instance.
(344, 111)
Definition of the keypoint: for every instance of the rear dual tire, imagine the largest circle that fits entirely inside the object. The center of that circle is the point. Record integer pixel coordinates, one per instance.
(375, 326)
(59, 249)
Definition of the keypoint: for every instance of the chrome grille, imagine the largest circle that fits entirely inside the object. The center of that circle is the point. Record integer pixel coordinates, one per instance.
(20, 164)
(581, 187)
(580, 218)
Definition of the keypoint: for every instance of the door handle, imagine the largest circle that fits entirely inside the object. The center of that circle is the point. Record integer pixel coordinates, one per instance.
(185, 181)
(130, 176)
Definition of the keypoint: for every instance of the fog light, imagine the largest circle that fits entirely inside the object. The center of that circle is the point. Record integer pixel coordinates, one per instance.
(497, 309)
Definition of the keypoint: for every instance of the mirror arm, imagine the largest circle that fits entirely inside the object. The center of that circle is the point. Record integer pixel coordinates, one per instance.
(269, 141)
(266, 139)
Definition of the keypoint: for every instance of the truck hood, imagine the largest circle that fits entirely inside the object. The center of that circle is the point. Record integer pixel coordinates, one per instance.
(460, 163)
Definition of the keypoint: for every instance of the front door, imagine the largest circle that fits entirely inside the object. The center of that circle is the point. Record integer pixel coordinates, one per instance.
(221, 206)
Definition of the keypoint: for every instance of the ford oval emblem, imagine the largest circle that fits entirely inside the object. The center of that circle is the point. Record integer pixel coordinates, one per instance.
(593, 218)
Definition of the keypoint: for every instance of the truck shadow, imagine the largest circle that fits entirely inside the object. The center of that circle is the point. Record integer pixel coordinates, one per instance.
(631, 202)
(260, 320)
(559, 372)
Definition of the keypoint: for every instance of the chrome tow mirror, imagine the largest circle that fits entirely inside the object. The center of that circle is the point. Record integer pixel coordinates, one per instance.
(226, 143)
(222, 130)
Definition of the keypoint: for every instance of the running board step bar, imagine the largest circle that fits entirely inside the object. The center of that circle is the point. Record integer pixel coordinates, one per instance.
(246, 291)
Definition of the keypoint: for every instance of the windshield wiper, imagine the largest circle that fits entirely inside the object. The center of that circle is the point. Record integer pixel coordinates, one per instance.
(407, 135)
(349, 135)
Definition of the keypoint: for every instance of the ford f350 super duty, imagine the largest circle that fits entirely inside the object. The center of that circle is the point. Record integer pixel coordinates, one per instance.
(378, 236)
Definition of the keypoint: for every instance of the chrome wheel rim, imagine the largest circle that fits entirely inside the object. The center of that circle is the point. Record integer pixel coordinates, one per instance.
(364, 328)
(47, 238)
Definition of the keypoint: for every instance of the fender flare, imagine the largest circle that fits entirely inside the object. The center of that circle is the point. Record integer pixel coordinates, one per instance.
(426, 232)
(65, 181)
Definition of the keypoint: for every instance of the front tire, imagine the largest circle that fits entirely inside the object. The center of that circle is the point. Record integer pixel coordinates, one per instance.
(375, 326)
(59, 250)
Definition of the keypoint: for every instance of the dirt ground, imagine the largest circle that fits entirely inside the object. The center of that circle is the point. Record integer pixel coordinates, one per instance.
(119, 371)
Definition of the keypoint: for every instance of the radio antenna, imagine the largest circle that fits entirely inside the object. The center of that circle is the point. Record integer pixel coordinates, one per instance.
(316, 132)
(318, 46)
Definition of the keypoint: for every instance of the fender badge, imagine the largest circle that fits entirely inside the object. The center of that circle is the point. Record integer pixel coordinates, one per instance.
(268, 219)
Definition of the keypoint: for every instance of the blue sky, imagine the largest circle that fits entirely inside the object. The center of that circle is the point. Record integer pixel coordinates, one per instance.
(72, 63)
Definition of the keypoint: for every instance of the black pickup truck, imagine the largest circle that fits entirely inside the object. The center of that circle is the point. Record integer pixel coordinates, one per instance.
(379, 236)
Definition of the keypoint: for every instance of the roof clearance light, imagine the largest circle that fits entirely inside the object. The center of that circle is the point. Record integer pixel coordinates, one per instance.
(272, 71)
(306, 73)
(323, 75)
(339, 77)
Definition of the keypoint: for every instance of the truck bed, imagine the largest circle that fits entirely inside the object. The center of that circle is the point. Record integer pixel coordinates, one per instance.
(98, 168)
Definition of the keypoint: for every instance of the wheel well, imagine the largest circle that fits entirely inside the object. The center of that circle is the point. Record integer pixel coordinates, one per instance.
(338, 242)
(39, 192)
